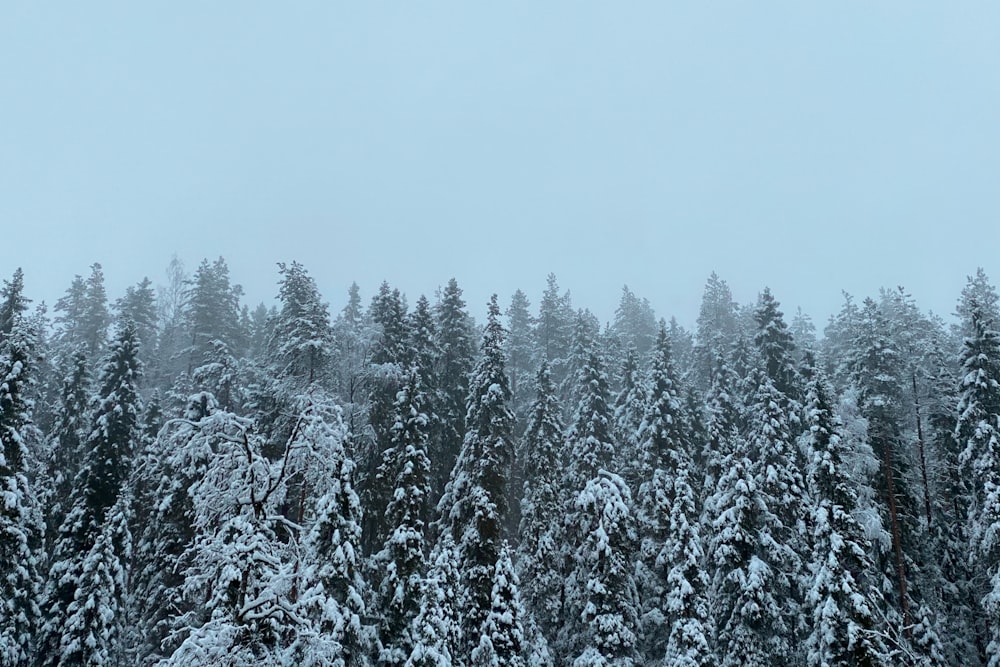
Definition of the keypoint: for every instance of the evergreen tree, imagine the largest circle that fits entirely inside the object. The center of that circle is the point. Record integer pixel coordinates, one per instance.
(590, 441)
(437, 628)
(93, 634)
(716, 327)
(390, 359)
(474, 505)
(978, 294)
(21, 528)
(173, 462)
(97, 488)
(635, 323)
(747, 584)
(138, 306)
(591, 451)
(13, 303)
(501, 639)
(335, 591)
(630, 407)
(455, 340)
(541, 508)
(665, 449)
(978, 432)
(724, 416)
(401, 560)
(301, 341)
(352, 336)
(554, 329)
(211, 311)
(777, 350)
(686, 588)
(601, 587)
(844, 623)
(84, 318)
(780, 480)
(64, 447)
(520, 353)
(876, 367)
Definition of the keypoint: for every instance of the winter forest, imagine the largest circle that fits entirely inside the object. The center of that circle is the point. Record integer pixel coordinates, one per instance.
(189, 480)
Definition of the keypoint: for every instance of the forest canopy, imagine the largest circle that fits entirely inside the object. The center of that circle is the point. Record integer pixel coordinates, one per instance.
(188, 479)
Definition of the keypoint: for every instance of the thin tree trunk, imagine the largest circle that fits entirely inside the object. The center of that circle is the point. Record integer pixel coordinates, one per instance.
(920, 447)
(896, 542)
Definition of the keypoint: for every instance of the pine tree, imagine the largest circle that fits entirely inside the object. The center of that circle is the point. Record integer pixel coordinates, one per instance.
(591, 451)
(781, 481)
(501, 639)
(776, 347)
(93, 634)
(175, 460)
(541, 508)
(686, 589)
(138, 306)
(401, 560)
(64, 447)
(474, 505)
(716, 328)
(335, 592)
(13, 303)
(85, 318)
(455, 340)
(978, 294)
(601, 587)
(21, 528)
(352, 336)
(554, 329)
(635, 323)
(211, 311)
(97, 488)
(844, 625)
(630, 407)
(665, 449)
(724, 416)
(301, 343)
(390, 359)
(746, 589)
(876, 367)
(978, 433)
(437, 628)
(520, 353)
(590, 440)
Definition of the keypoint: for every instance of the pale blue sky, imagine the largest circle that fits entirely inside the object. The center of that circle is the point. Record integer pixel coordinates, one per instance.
(809, 146)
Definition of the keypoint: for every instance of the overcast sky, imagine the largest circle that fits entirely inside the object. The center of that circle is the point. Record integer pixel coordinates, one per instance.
(812, 147)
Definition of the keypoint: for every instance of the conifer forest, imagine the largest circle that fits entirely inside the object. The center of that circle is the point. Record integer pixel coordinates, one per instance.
(417, 481)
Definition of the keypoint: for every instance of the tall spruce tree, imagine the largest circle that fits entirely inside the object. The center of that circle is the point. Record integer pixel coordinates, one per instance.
(537, 561)
(474, 505)
(455, 340)
(630, 407)
(400, 563)
(21, 527)
(437, 630)
(520, 353)
(844, 628)
(211, 311)
(301, 342)
(978, 432)
(601, 586)
(665, 448)
(747, 585)
(97, 488)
